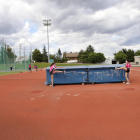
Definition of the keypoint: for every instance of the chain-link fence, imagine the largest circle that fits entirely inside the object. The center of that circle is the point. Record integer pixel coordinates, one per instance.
(18, 59)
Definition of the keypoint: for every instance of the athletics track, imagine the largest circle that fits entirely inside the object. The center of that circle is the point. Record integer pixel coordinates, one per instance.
(30, 110)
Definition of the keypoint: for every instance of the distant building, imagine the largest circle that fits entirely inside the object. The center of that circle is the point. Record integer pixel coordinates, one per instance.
(72, 56)
(72, 61)
(137, 59)
(109, 61)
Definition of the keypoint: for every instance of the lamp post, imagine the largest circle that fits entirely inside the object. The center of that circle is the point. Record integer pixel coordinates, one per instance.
(20, 53)
(46, 23)
(4, 52)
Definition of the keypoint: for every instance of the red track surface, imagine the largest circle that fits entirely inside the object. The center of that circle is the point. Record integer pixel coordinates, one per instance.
(30, 110)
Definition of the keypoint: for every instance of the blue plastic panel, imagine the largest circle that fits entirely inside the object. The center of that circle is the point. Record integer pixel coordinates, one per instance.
(87, 74)
(105, 73)
(74, 74)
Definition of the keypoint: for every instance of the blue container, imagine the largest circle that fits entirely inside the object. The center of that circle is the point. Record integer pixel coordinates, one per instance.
(74, 74)
(87, 74)
(105, 74)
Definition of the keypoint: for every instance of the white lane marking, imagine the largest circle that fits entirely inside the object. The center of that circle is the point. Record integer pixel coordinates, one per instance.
(41, 96)
(135, 69)
(58, 98)
(76, 95)
(32, 98)
(67, 94)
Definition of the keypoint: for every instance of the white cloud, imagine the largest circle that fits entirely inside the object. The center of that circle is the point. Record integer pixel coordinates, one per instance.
(108, 26)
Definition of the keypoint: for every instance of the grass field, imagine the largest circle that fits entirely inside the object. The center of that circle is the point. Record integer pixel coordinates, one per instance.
(17, 66)
(42, 65)
(6, 73)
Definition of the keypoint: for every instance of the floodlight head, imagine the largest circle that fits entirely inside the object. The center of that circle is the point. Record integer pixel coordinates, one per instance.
(44, 20)
(47, 24)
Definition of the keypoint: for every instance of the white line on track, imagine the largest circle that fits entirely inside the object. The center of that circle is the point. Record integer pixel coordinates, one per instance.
(135, 69)
(76, 95)
(41, 96)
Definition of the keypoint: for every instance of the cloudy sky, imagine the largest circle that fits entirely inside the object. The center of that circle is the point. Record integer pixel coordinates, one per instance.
(107, 25)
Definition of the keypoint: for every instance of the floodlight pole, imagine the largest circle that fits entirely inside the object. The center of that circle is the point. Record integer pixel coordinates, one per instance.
(4, 53)
(14, 59)
(20, 52)
(24, 58)
(48, 43)
(31, 56)
(46, 23)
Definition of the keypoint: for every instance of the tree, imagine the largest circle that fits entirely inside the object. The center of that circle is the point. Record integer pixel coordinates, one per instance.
(52, 56)
(37, 56)
(84, 57)
(79, 55)
(10, 53)
(45, 57)
(114, 54)
(137, 53)
(121, 57)
(90, 49)
(130, 55)
(64, 59)
(89, 56)
(59, 54)
(100, 57)
(124, 51)
(96, 57)
(92, 57)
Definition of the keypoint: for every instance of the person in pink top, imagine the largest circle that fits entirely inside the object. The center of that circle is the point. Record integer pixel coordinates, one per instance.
(29, 68)
(53, 71)
(127, 68)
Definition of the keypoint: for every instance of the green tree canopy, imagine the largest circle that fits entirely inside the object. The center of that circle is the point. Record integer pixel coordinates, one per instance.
(96, 57)
(121, 57)
(89, 56)
(79, 55)
(84, 57)
(100, 57)
(124, 50)
(130, 55)
(90, 49)
(10, 52)
(137, 53)
(59, 54)
(92, 57)
(37, 56)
